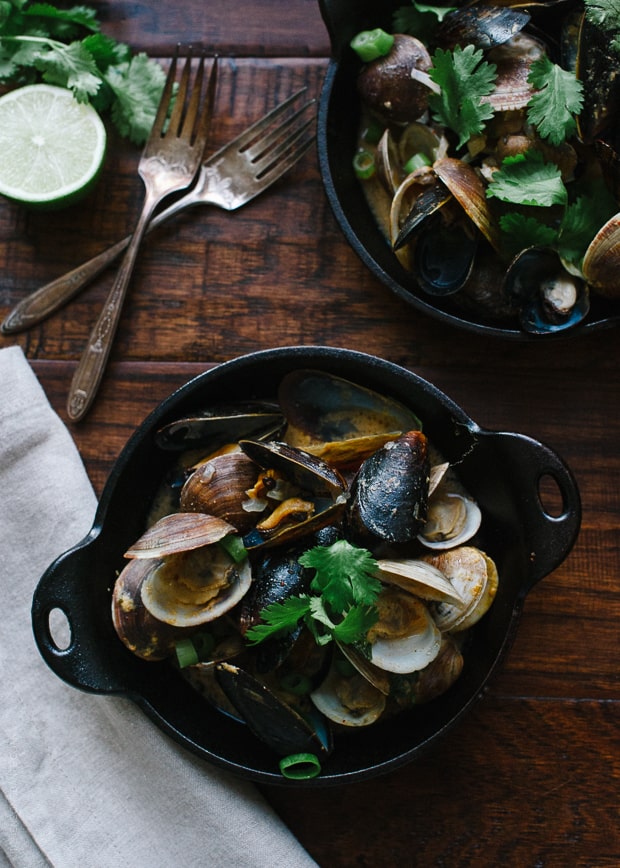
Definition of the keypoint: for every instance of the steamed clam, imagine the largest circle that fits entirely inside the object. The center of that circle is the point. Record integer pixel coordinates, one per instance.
(350, 466)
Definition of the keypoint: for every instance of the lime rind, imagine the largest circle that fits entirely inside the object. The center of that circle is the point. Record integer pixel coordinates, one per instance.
(52, 147)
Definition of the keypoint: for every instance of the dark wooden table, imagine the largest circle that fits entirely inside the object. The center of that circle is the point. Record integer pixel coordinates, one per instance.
(531, 777)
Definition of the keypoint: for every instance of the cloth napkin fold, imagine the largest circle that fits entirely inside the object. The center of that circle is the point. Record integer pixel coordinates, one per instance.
(85, 780)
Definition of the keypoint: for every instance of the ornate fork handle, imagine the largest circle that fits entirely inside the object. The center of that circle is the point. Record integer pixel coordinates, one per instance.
(54, 295)
(92, 364)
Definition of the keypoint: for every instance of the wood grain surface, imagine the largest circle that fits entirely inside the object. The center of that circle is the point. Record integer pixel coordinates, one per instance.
(531, 776)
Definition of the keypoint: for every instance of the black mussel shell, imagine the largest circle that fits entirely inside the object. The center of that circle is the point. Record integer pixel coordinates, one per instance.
(482, 26)
(220, 425)
(389, 495)
(444, 257)
(284, 729)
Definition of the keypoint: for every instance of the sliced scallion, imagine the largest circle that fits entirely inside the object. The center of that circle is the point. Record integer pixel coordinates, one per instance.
(364, 165)
(300, 766)
(416, 162)
(185, 653)
(370, 44)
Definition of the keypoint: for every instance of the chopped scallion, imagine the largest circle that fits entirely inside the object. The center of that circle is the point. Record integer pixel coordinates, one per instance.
(233, 544)
(185, 653)
(416, 162)
(300, 766)
(370, 44)
(364, 165)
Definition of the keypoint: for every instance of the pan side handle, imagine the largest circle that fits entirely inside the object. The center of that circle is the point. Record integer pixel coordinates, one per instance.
(70, 592)
(550, 537)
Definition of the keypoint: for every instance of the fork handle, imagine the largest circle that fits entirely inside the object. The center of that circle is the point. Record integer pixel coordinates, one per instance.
(52, 296)
(92, 364)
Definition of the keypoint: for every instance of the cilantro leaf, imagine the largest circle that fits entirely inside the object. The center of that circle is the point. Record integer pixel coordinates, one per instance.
(357, 622)
(70, 66)
(419, 19)
(137, 88)
(582, 220)
(526, 179)
(279, 618)
(342, 605)
(558, 98)
(603, 12)
(520, 231)
(344, 574)
(465, 79)
(65, 47)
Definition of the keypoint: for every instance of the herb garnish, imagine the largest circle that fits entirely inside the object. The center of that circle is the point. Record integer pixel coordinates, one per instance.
(65, 47)
(342, 605)
(558, 98)
(419, 19)
(526, 179)
(465, 79)
(606, 14)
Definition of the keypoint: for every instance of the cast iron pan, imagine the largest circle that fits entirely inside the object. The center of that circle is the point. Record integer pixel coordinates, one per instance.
(501, 470)
(338, 122)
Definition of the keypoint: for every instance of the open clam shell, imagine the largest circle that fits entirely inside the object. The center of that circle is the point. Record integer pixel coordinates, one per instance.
(348, 698)
(452, 520)
(405, 638)
(474, 575)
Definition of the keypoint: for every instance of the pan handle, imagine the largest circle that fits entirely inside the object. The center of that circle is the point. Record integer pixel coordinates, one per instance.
(550, 538)
(61, 593)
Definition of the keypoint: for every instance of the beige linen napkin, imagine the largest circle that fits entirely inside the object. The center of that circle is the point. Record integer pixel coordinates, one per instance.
(85, 780)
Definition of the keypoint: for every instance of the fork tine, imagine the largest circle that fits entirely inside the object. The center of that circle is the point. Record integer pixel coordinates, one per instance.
(271, 142)
(197, 125)
(178, 109)
(164, 102)
(252, 132)
(276, 169)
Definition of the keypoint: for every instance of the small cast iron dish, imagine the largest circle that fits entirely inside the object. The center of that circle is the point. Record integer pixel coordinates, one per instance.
(502, 471)
(337, 129)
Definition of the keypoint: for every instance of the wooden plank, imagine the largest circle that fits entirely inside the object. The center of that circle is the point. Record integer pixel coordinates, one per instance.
(257, 29)
(516, 783)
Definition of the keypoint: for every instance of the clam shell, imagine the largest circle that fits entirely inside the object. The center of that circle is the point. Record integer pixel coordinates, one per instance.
(349, 700)
(419, 578)
(601, 263)
(405, 638)
(179, 532)
(474, 575)
(186, 591)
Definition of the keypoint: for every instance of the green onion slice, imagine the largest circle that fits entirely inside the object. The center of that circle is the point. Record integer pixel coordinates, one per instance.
(185, 652)
(364, 165)
(300, 766)
(233, 544)
(416, 162)
(370, 44)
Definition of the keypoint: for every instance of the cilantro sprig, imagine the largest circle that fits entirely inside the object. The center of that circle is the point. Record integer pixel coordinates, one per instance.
(605, 14)
(527, 180)
(464, 79)
(65, 47)
(558, 98)
(341, 605)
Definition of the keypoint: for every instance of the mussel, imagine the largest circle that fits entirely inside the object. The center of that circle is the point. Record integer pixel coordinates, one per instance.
(389, 494)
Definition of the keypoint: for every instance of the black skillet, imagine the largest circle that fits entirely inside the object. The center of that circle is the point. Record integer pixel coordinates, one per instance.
(338, 123)
(501, 470)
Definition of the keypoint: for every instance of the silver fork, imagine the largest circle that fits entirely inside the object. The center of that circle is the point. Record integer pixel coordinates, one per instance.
(233, 176)
(169, 163)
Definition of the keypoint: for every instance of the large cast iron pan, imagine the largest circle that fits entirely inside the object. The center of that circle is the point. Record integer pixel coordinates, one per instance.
(338, 123)
(502, 471)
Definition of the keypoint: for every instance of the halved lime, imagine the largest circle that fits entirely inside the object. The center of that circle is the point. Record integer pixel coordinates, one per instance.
(52, 147)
